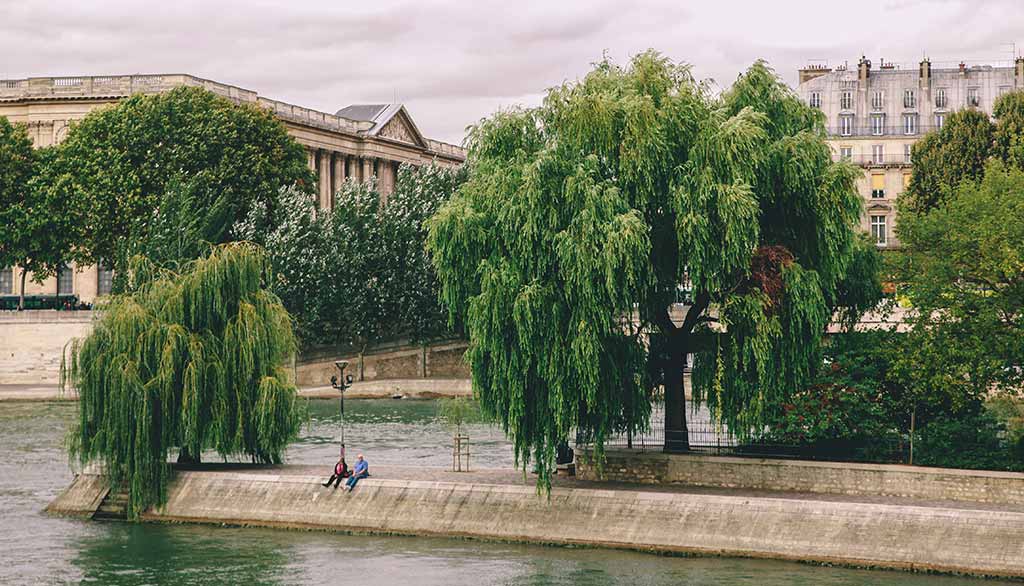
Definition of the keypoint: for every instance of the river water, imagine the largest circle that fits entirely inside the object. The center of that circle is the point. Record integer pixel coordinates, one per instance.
(38, 549)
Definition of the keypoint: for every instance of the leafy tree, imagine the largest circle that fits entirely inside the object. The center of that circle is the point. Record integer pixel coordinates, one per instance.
(964, 275)
(37, 226)
(118, 162)
(182, 227)
(618, 193)
(360, 274)
(189, 360)
(1008, 136)
(944, 158)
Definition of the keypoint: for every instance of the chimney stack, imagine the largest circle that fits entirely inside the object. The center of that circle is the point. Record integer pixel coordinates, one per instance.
(863, 70)
(812, 71)
(1018, 72)
(926, 73)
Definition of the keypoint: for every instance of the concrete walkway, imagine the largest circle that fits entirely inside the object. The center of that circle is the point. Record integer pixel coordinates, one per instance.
(382, 389)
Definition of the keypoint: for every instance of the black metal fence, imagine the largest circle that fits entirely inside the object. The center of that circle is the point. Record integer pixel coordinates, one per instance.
(708, 437)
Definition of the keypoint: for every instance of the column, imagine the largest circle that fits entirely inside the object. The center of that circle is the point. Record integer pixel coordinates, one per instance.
(311, 159)
(338, 176)
(367, 169)
(324, 182)
(386, 177)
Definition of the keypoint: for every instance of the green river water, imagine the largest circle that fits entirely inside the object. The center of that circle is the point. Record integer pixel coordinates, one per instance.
(38, 549)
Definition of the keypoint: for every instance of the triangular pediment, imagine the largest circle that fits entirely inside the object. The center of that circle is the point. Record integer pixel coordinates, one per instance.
(400, 127)
(879, 207)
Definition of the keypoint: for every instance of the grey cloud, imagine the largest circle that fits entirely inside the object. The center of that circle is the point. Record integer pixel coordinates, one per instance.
(453, 62)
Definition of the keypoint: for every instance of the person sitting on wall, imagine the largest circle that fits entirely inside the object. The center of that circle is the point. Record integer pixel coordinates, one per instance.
(361, 471)
(340, 471)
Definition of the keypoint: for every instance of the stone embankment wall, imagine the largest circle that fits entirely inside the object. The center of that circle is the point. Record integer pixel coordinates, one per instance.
(438, 361)
(803, 476)
(32, 342)
(968, 540)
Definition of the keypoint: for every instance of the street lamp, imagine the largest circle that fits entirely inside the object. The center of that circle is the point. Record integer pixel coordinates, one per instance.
(346, 382)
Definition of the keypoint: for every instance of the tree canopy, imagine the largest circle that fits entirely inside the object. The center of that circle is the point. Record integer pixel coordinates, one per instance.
(960, 150)
(359, 274)
(38, 226)
(189, 360)
(118, 162)
(963, 271)
(585, 219)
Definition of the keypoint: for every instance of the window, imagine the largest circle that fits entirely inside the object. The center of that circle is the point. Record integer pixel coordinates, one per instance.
(846, 125)
(1003, 89)
(940, 97)
(910, 124)
(909, 99)
(973, 96)
(906, 153)
(940, 119)
(877, 153)
(845, 153)
(6, 281)
(877, 125)
(65, 281)
(104, 279)
(877, 185)
(846, 100)
(878, 229)
(877, 100)
(815, 100)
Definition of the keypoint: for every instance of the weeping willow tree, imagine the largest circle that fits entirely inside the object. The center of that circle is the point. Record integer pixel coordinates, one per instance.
(632, 219)
(189, 360)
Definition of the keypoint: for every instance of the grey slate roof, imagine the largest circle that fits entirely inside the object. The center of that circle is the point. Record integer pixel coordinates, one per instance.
(363, 112)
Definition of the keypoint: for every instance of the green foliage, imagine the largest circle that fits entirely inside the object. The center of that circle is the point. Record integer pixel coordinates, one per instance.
(606, 201)
(182, 228)
(963, 271)
(1008, 137)
(189, 360)
(17, 166)
(458, 411)
(37, 226)
(977, 441)
(944, 158)
(360, 274)
(118, 163)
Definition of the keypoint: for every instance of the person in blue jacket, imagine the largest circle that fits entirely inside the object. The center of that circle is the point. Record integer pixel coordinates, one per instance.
(362, 470)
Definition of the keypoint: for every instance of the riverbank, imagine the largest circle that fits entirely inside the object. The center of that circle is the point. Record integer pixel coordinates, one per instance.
(376, 389)
(881, 532)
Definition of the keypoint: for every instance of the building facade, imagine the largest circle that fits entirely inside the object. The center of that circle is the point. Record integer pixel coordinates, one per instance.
(357, 142)
(874, 116)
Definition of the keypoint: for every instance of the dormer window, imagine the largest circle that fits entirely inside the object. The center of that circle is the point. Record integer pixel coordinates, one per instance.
(909, 99)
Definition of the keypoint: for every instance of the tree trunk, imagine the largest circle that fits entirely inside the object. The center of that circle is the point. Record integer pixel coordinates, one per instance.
(677, 436)
(21, 296)
(186, 457)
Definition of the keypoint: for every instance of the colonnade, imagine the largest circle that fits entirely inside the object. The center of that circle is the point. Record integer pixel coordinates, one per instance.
(333, 168)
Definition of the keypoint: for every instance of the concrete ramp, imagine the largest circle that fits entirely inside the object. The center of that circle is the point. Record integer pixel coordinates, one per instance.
(82, 498)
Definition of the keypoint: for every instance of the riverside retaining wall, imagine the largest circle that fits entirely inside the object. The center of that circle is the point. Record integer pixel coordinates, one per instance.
(916, 482)
(32, 343)
(905, 536)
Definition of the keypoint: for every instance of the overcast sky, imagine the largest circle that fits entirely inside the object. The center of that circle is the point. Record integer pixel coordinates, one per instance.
(453, 62)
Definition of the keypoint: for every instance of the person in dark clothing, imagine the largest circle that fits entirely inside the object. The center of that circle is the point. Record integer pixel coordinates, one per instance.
(340, 471)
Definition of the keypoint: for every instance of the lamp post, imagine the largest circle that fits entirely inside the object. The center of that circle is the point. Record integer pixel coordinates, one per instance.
(345, 382)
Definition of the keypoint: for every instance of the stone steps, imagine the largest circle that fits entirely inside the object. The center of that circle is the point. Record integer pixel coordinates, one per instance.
(113, 508)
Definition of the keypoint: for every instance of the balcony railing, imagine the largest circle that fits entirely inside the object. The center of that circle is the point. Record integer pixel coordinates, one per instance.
(886, 130)
(873, 161)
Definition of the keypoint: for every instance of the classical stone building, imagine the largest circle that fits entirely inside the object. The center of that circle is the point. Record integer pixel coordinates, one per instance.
(358, 141)
(875, 115)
